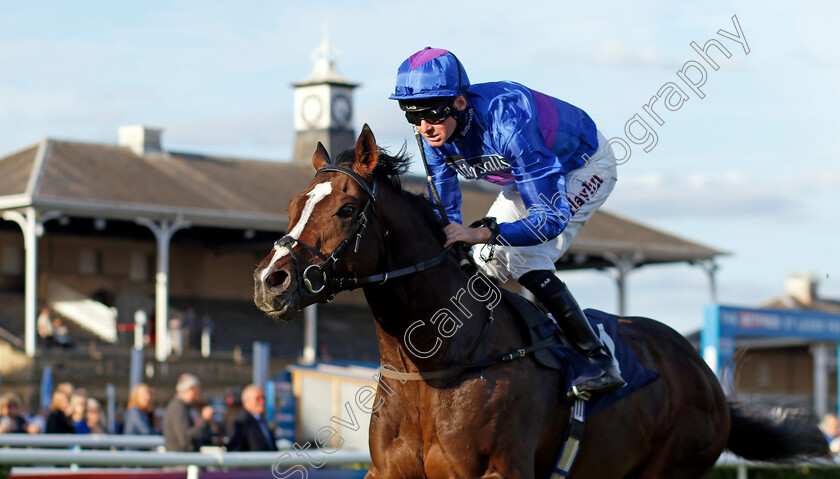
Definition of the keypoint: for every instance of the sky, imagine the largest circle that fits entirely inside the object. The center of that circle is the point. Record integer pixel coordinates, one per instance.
(749, 169)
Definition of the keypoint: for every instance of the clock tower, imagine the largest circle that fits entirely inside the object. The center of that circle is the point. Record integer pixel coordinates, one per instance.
(323, 107)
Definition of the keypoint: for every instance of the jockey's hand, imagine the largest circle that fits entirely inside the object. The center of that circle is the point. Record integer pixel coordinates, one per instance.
(470, 236)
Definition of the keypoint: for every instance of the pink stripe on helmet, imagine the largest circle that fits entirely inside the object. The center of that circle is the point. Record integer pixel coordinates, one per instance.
(425, 55)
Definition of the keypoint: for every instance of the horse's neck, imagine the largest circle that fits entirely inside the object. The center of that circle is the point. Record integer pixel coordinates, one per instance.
(415, 313)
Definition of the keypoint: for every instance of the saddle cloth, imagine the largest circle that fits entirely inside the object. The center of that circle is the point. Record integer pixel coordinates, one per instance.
(574, 366)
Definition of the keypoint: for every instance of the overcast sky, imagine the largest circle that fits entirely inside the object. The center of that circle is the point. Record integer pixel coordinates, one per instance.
(750, 169)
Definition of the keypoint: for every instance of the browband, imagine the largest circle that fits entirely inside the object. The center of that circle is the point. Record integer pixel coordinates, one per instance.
(352, 174)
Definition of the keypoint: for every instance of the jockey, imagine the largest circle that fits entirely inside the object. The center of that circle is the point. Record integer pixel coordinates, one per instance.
(554, 167)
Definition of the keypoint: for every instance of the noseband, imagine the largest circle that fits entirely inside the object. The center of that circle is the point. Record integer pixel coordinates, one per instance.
(325, 272)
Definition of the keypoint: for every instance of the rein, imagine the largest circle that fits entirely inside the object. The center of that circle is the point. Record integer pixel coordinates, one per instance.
(324, 273)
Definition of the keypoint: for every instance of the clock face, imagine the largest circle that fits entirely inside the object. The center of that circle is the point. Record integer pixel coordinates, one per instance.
(311, 110)
(342, 110)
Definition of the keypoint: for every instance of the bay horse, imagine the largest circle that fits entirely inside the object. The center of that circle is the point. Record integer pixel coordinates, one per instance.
(353, 226)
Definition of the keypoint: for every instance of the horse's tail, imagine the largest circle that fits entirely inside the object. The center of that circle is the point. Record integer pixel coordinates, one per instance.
(782, 435)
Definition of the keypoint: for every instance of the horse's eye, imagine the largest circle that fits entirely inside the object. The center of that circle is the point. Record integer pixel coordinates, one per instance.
(346, 211)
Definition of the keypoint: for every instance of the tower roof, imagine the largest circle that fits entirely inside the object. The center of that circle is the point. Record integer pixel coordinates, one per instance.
(324, 57)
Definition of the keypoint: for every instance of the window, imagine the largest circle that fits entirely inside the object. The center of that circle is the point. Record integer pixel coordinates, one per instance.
(89, 262)
(140, 268)
(12, 260)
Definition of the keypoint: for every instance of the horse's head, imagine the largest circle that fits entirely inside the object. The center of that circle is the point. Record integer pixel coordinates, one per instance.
(327, 221)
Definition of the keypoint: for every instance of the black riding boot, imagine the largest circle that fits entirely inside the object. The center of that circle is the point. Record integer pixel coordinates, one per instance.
(555, 296)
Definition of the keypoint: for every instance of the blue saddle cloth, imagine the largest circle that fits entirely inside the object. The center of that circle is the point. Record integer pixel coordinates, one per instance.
(578, 369)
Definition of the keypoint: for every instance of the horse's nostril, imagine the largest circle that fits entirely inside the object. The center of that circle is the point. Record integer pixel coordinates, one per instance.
(276, 278)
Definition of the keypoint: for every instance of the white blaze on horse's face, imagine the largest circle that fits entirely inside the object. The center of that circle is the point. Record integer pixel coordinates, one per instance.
(318, 193)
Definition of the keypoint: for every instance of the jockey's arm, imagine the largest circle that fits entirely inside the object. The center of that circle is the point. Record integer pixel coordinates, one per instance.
(446, 181)
(540, 180)
(547, 217)
(547, 212)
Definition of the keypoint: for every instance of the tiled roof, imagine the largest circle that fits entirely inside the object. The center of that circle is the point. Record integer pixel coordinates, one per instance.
(115, 174)
(16, 170)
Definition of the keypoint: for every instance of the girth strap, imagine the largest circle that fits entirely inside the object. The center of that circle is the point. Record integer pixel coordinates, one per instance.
(456, 370)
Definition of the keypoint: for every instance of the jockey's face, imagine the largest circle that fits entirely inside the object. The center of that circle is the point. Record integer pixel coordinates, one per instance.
(436, 135)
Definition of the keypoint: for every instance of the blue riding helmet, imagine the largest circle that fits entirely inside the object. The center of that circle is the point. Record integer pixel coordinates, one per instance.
(430, 73)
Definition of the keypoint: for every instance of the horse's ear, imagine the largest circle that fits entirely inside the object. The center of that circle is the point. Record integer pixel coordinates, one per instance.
(367, 154)
(321, 158)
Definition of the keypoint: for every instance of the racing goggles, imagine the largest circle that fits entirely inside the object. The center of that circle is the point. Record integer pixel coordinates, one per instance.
(433, 115)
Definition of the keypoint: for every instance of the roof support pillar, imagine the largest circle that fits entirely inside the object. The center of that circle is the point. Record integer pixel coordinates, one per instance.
(710, 267)
(819, 353)
(163, 232)
(33, 228)
(623, 265)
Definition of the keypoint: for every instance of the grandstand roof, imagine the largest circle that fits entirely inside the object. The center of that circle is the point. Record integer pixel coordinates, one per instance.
(114, 182)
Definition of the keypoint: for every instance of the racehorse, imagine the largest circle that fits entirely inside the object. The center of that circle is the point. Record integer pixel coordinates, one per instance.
(355, 227)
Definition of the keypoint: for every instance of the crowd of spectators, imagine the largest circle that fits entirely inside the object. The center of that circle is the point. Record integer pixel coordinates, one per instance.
(186, 423)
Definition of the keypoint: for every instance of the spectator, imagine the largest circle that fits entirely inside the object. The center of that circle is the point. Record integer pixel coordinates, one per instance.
(323, 353)
(57, 421)
(95, 417)
(138, 418)
(11, 419)
(181, 431)
(150, 333)
(830, 426)
(249, 430)
(62, 334)
(36, 423)
(67, 388)
(206, 334)
(78, 408)
(45, 328)
(176, 336)
(190, 329)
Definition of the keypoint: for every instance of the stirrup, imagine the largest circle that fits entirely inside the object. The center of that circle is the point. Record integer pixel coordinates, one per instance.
(575, 393)
(609, 382)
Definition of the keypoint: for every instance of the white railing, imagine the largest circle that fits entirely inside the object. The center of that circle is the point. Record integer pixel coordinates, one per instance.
(12, 339)
(216, 457)
(729, 461)
(82, 440)
(194, 461)
(242, 460)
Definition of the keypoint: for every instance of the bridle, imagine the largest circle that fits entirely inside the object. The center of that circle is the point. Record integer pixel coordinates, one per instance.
(326, 274)
(317, 277)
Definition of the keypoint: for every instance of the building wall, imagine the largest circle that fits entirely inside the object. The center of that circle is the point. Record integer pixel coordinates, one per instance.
(781, 376)
(11, 256)
(778, 371)
(60, 258)
(195, 270)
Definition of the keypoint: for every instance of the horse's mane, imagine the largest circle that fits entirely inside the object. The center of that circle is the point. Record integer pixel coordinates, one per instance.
(388, 170)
